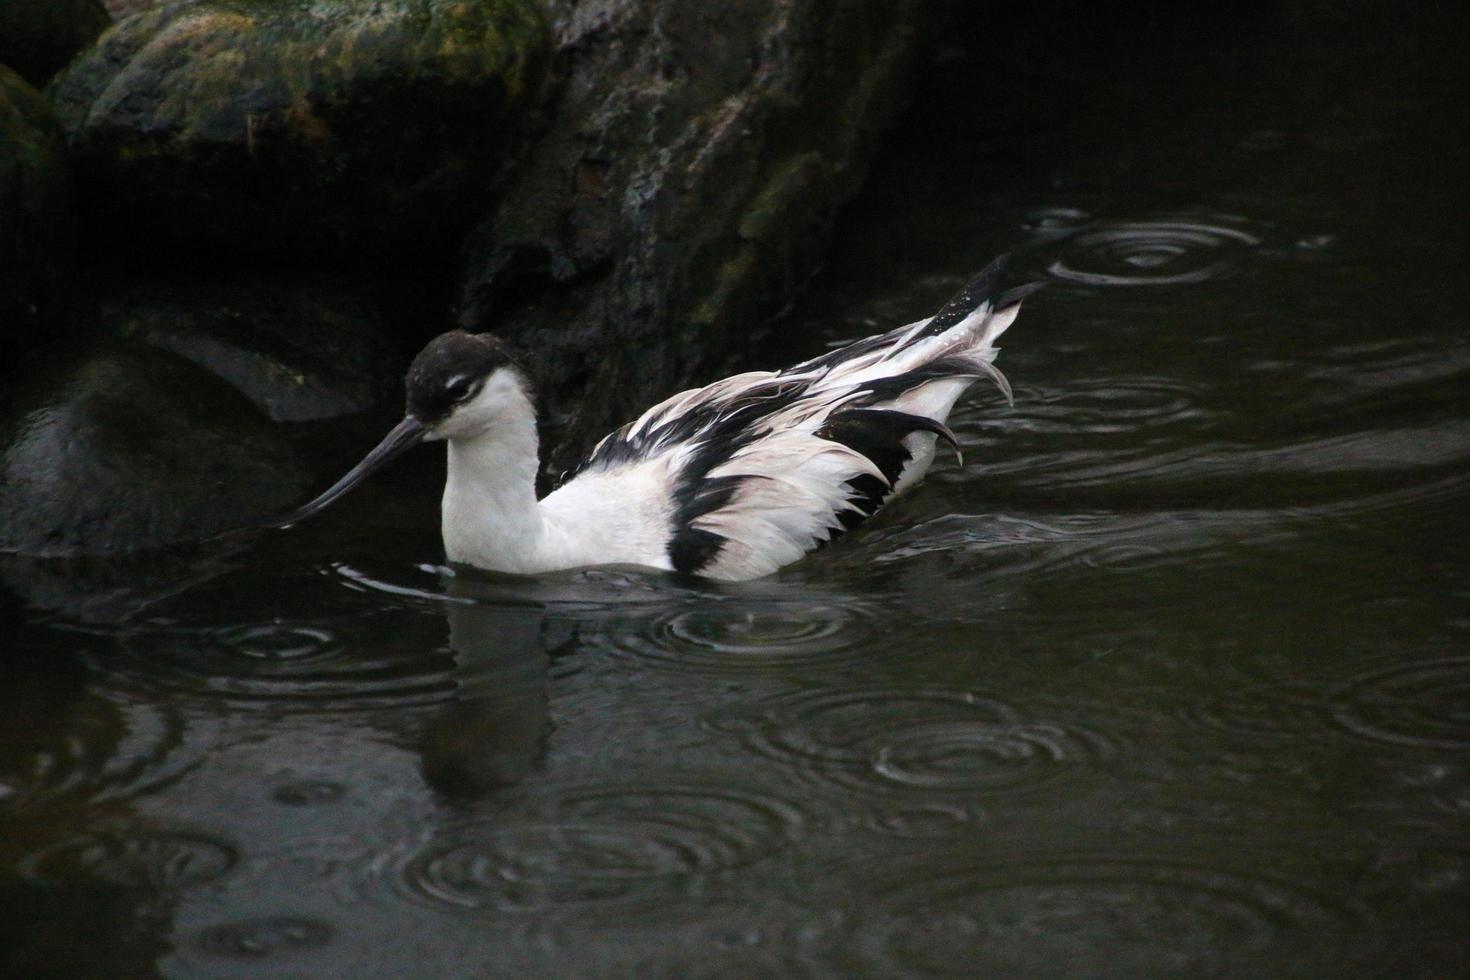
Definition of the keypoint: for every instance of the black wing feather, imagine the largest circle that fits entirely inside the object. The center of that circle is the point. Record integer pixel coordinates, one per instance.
(983, 287)
(719, 428)
(878, 434)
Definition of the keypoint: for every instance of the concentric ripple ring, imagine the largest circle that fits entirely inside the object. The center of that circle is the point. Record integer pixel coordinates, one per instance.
(1154, 917)
(1422, 704)
(1151, 253)
(741, 636)
(931, 741)
(597, 846)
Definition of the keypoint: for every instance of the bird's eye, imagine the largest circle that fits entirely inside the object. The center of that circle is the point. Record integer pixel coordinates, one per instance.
(457, 388)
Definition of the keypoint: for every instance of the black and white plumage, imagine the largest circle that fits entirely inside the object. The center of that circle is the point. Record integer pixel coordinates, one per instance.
(730, 481)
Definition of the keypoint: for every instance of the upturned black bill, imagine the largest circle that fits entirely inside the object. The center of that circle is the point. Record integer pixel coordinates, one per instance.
(404, 436)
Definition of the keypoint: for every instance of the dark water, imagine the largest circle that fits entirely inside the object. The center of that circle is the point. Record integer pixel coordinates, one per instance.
(1172, 679)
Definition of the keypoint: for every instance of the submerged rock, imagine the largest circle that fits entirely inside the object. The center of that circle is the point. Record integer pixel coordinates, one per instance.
(297, 351)
(127, 448)
(38, 37)
(112, 588)
(684, 186)
(36, 220)
(355, 126)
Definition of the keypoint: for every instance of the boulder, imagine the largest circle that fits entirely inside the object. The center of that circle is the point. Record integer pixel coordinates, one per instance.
(38, 37)
(125, 8)
(298, 351)
(36, 218)
(119, 448)
(683, 187)
(338, 129)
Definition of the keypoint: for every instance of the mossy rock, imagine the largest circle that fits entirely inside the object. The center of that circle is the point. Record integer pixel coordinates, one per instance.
(124, 448)
(335, 128)
(36, 217)
(682, 189)
(38, 37)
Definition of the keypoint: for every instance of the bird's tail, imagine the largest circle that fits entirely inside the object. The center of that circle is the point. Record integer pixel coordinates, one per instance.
(958, 341)
(979, 313)
(971, 322)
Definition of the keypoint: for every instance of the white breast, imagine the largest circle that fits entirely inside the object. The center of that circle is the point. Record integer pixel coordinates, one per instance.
(620, 516)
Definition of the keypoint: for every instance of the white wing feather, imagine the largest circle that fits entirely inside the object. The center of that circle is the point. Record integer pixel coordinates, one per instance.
(792, 486)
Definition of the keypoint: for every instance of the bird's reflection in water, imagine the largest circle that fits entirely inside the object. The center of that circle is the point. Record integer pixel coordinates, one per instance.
(492, 732)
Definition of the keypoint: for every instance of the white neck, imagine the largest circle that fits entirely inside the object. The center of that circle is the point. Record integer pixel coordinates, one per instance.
(493, 520)
(490, 513)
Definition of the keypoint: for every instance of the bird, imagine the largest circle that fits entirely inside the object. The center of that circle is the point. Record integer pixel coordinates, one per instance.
(730, 481)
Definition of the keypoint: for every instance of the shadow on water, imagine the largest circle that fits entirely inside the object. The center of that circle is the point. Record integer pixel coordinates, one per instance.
(1171, 678)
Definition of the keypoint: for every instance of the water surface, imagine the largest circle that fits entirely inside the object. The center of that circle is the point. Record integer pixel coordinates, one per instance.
(1171, 679)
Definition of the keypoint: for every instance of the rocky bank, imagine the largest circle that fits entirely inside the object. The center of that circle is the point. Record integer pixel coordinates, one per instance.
(277, 202)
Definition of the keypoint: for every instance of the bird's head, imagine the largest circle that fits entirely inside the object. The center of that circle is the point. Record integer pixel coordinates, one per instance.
(459, 386)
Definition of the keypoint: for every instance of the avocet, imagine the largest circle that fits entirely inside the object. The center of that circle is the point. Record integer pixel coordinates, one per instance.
(730, 481)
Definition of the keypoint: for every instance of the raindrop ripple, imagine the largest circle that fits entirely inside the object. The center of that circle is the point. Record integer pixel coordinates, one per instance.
(1420, 704)
(305, 666)
(260, 939)
(1153, 918)
(741, 636)
(113, 749)
(930, 741)
(597, 847)
(155, 861)
(1151, 253)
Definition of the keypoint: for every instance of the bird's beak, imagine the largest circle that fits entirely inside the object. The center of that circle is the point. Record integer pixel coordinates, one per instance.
(405, 435)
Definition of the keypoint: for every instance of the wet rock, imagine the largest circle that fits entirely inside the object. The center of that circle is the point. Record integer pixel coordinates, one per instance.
(38, 37)
(126, 448)
(297, 351)
(683, 187)
(36, 221)
(335, 128)
(123, 8)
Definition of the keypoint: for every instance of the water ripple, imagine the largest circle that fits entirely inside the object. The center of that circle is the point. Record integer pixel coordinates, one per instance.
(926, 820)
(601, 587)
(157, 861)
(1420, 704)
(747, 937)
(936, 741)
(1046, 224)
(598, 846)
(1151, 253)
(750, 635)
(1283, 711)
(1031, 546)
(106, 750)
(307, 666)
(1153, 918)
(1116, 404)
(260, 939)
(309, 793)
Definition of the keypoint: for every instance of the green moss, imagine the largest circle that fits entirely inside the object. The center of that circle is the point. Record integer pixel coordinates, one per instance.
(265, 123)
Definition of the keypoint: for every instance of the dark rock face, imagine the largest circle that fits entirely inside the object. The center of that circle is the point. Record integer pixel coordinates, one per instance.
(298, 351)
(38, 37)
(684, 185)
(129, 448)
(338, 128)
(679, 185)
(36, 221)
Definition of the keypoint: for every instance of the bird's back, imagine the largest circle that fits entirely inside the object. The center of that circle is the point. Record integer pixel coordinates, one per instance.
(734, 480)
